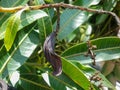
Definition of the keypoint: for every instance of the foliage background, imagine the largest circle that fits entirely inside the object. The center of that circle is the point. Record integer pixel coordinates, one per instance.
(22, 63)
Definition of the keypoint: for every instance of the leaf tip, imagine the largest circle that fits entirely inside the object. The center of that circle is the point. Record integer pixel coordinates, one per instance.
(7, 47)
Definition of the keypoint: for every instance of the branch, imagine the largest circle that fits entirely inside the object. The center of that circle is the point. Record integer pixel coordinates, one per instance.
(58, 20)
(10, 10)
(14, 9)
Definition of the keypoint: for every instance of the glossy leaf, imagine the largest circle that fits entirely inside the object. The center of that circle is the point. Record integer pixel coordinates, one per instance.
(20, 52)
(107, 49)
(30, 80)
(14, 78)
(10, 3)
(31, 16)
(26, 19)
(48, 80)
(27, 84)
(107, 5)
(75, 74)
(90, 72)
(62, 82)
(71, 19)
(44, 24)
(45, 27)
(11, 29)
(2, 30)
(37, 76)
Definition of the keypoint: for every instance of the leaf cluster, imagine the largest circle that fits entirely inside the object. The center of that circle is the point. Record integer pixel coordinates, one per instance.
(22, 35)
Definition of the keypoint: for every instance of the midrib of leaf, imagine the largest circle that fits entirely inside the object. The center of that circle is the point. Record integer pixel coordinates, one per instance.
(11, 32)
(66, 84)
(5, 63)
(100, 50)
(6, 13)
(35, 83)
(81, 52)
(77, 82)
(19, 28)
(44, 27)
(57, 79)
(12, 25)
(64, 25)
(49, 18)
(28, 17)
(22, 20)
(71, 78)
(44, 31)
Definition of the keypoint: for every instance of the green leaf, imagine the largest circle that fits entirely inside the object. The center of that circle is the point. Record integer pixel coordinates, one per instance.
(108, 48)
(86, 3)
(108, 6)
(2, 29)
(90, 72)
(11, 29)
(29, 80)
(14, 78)
(75, 80)
(57, 83)
(75, 74)
(26, 19)
(30, 84)
(5, 16)
(45, 27)
(44, 24)
(25, 44)
(71, 19)
(62, 82)
(10, 3)
(31, 16)
(58, 1)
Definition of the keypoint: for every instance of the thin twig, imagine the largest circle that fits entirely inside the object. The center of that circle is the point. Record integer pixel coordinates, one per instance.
(90, 52)
(58, 20)
(14, 9)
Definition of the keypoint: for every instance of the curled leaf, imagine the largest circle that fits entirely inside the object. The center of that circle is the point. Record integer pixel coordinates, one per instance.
(51, 56)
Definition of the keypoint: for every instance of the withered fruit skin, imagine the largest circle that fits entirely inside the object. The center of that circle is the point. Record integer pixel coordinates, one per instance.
(50, 54)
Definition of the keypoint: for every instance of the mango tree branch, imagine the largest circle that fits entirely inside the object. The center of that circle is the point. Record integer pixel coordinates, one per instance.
(10, 10)
(14, 9)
